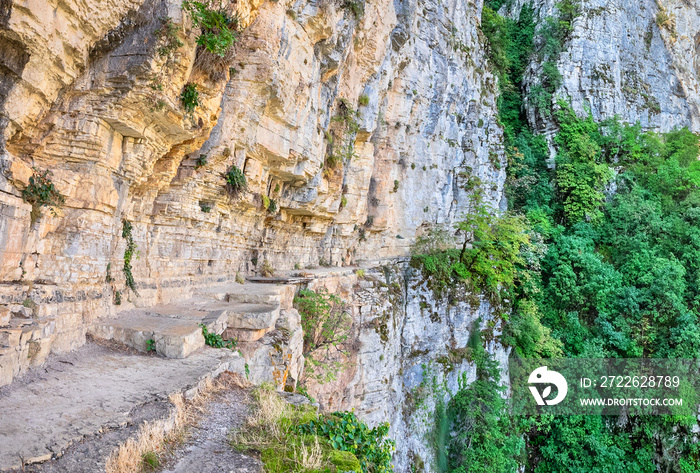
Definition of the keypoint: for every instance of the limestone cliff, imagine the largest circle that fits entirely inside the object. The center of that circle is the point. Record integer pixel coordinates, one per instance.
(88, 94)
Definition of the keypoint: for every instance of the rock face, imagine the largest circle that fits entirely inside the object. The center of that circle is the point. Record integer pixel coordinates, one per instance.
(639, 60)
(409, 353)
(91, 92)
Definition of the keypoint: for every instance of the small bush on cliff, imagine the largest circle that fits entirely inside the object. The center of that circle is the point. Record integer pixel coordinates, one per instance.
(327, 326)
(272, 208)
(41, 192)
(219, 28)
(200, 162)
(190, 98)
(341, 137)
(168, 38)
(235, 180)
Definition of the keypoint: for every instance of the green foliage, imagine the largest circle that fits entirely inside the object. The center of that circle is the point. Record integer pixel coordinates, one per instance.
(364, 100)
(496, 242)
(129, 252)
(600, 277)
(356, 7)
(150, 461)
(489, 256)
(41, 192)
(117, 298)
(485, 440)
(168, 38)
(345, 432)
(190, 98)
(215, 340)
(494, 27)
(265, 202)
(272, 207)
(235, 180)
(150, 345)
(327, 325)
(219, 29)
(619, 279)
(280, 434)
(341, 138)
(204, 207)
(201, 161)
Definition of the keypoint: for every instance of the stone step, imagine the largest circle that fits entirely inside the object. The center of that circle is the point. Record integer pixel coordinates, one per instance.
(253, 316)
(174, 328)
(242, 311)
(174, 338)
(253, 293)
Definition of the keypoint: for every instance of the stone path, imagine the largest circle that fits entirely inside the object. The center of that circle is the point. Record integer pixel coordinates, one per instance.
(93, 388)
(208, 449)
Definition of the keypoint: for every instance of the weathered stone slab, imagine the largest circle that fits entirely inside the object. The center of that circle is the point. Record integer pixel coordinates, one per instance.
(253, 316)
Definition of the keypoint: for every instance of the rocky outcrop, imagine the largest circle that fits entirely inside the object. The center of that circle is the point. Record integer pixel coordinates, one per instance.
(409, 352)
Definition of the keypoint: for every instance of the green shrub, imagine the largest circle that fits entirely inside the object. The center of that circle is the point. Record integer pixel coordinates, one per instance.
(326, 324)
(219, 29)
(201, 161)
(190, 98)
(364, 100)
(341, 145)
(168, 38)
(215, 340)
(345, 432)
(150, 461)
(356, 7)
(41, 192)
(235, 180)
(273, 432)
(150, 345)
(272, 208)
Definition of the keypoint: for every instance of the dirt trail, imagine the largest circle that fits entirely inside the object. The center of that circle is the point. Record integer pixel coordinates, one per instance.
(207, 449)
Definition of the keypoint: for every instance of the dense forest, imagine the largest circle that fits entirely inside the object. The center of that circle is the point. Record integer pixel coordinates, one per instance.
(598, 256)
